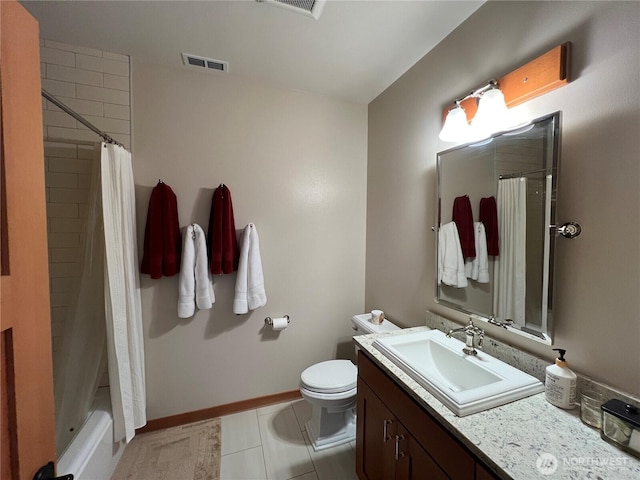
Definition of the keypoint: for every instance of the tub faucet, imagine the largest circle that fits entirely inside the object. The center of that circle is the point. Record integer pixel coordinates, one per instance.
(470, 332)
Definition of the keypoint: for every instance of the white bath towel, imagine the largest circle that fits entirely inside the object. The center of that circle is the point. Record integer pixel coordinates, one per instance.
(250, 293)
(195, 287)
(478, 268)
(450, 261)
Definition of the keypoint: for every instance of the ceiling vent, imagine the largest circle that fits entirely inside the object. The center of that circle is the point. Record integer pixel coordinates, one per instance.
(310, 8)
(203, 62)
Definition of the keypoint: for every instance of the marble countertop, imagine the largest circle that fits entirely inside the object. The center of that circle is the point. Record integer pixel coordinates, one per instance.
(526, 439)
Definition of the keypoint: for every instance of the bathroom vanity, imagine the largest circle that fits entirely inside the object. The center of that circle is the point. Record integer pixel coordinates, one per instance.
(398, 439)
(404, 432)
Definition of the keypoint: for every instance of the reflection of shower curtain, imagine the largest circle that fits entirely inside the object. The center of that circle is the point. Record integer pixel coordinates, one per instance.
(82, 358)
(122, 292)
(510, 266)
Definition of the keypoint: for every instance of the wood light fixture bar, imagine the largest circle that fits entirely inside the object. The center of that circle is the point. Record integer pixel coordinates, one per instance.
(547, 72)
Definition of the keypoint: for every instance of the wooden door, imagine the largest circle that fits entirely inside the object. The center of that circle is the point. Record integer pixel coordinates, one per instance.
(375, 438)
(27, 422)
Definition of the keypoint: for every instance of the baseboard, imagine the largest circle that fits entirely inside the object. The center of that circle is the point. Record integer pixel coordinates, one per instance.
(229, 408)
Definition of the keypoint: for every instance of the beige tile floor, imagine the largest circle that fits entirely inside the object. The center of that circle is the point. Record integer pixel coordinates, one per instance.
(271, 443)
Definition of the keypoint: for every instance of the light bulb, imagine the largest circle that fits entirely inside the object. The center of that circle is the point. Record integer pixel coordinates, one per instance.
(492, 115)
(456, 127)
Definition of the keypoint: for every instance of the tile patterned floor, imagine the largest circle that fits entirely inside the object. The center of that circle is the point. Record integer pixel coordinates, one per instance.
(271, 443)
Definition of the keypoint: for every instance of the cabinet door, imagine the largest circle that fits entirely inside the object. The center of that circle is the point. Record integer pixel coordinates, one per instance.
(482, 473)
(376, 432)
(413, 462)
(443, 448)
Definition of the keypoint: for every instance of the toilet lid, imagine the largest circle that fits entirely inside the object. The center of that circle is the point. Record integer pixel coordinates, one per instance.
(332, 376)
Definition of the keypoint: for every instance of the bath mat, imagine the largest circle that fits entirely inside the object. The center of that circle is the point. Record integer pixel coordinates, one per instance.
(187, 452)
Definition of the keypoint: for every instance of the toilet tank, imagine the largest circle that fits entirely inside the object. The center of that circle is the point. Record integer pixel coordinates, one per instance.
(361, 325)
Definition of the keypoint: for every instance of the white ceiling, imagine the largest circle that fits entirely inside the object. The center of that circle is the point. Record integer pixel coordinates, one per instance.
(354, 51)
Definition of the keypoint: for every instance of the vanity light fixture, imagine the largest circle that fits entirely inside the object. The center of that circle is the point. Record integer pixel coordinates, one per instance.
(491, 115)
(486, 108)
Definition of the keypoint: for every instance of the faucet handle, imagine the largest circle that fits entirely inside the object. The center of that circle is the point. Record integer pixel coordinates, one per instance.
(500, 323)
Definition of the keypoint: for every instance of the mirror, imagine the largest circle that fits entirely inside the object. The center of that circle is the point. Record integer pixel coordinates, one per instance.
(495, 240)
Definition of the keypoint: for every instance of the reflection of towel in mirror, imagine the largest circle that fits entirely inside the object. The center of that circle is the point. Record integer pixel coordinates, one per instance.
(250, 293)
(489, 217)
(463, 216)
(478, 268)
(450, 261)
(194, 286)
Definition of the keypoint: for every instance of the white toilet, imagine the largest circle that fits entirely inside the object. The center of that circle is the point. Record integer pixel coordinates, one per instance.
(330, 388)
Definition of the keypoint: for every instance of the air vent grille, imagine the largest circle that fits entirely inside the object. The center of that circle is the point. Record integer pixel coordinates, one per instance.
(203, 62)
(310, 8)
(306, 5)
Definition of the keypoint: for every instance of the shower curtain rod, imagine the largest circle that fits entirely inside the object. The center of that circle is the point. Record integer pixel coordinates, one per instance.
(524, 174)
(79, 118)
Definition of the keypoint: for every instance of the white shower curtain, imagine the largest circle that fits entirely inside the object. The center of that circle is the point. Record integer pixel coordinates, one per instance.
(122, 293)
(509, 292)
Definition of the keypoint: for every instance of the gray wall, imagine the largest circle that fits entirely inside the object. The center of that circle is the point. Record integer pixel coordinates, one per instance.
(296, 167)
(597, 296)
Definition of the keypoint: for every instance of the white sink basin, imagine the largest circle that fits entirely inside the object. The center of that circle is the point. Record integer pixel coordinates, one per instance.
(466, 384)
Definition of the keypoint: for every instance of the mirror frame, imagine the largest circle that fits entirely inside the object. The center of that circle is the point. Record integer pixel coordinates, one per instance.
(551, 167)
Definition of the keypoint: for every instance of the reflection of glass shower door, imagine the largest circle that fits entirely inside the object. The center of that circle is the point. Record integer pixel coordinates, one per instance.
(535, 246)
(546, 249)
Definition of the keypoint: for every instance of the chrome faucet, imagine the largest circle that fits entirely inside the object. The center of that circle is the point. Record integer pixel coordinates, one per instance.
(470, 332)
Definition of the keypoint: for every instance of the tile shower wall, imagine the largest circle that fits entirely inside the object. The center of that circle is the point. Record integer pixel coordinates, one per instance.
(95, 84)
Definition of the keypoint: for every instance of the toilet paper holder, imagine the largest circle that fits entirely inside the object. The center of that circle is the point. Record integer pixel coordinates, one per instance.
(269, 320)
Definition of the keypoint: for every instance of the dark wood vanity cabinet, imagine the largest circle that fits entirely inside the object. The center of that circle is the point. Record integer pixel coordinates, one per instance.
(376, 431)
(386, 449)
(397, 439)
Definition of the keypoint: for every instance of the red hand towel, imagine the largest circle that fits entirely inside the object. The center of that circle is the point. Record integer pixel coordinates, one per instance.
(224, 252)
(162, 239)
(463, 217)
(171, 237)
(489, 217)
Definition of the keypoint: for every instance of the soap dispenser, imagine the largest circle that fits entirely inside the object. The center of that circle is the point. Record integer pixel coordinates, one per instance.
(560, 383)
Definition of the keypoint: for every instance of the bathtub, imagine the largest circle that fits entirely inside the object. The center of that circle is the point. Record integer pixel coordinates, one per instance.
(92, 454)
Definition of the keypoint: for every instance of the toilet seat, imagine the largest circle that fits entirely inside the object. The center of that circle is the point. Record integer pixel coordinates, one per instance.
(330, 377)
(333, 399)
